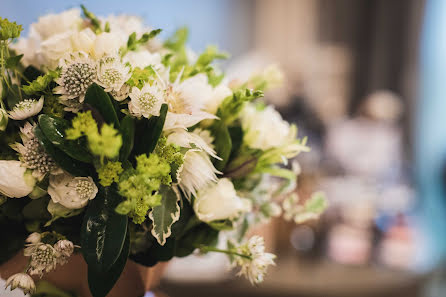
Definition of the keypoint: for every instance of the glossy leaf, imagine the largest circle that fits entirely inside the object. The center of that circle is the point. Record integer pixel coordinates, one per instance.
(100, 283)
(164, 215)
(103, 230)
(97, 98)
(222, 143)
(150, 131)
(54, 129)
(128, 135)
(64, 161)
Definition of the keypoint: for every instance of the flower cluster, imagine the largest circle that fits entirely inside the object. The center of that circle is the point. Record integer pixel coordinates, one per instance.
(127, 144)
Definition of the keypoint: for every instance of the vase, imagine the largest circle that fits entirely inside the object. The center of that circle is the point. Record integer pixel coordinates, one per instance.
(134, 281)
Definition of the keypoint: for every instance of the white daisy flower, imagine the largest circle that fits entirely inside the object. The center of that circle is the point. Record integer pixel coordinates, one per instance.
(33, 155)
(78, 73)
(255, 263)
(72, 192)
(22, 281)
(26, 108)
(112, 73)
(186, 100)
(147, 101)
(197, 172)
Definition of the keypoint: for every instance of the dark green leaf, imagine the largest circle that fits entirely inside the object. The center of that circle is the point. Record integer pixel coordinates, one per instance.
(150, 131)
(156, 253)
(236, 133)
(223, 144)
(97, 98)
(12, 97)
(103, 230)
(165, 214)
(202, 234)
(54, 129)
(128, 135)
(37, 209)
(222, 225)
(100, 283)
(31, 73)
(13, 62)
(64, 161)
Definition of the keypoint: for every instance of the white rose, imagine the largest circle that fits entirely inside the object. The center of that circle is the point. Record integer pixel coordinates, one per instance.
(52, 24)
(71, 192)
(219, 93)
(15, 182)
(143, 59)
(265, 129)
(55, 48)
(107, 44)
(83, 41)
(219, 202)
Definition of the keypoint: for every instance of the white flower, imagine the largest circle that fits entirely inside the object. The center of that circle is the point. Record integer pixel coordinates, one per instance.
(265, 129)
(22, 281)
(147, 101)
(196, 172)
(30, 48)
(107, 44)
(186, 101)
(33, 155)
(3, 118)
(52, 24)
(83, 41)
(78, 73)
(34, 238)
(219, 202)
(122, 93)
(112, 73)
(71, 192)
(65, 248)
(144, 58)
(125, 25)
(54, 48)
(219, 93)
(15, 182)
(255, 265)
(26, 108)
(44, 258)
(200, 139)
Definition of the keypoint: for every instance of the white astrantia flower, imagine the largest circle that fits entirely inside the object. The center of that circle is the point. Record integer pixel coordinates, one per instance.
(26, 108)
(264, 129)
(186, 101)
(78, 73)
(33, 155)
(15, 181)
(219, 201)
(44, 258)
(200, 139)
(71, 192)
(196, 172)
(112, 73)
(147, 101)
(64, 247)
(256, 262)
(22, 281)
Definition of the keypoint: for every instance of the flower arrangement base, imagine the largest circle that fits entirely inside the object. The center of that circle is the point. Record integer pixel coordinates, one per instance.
(135, 280)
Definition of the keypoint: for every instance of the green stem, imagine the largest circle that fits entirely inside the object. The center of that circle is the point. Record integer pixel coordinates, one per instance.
(228, 252)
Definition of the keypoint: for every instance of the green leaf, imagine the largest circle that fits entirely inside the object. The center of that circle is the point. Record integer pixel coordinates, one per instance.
(40, 83)
(222, 143)
(241, 166)
(128, 135)
(31, 73)
(100, 283)
(36, 209)
(9, 29)
(201, 234)
(12, 97)
(222, 225)
(231, 106)
(93, 19)
(13, 62)
(178, 40)
(99, 99)
(103, 230)
(150, 131)
(54, 129)
(165, 214)
(65, 162)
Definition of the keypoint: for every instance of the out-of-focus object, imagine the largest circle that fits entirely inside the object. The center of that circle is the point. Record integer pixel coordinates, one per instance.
(383, 105)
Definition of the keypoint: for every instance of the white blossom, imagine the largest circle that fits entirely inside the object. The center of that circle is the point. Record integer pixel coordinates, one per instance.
(200, 139)
(78, 73)
(15, 181)
(147, 101)
(44, 258)
(107, 44)
(255, 265)
(219, 93)
(26, 108)
(52, 24)
(144, 58)
(34, 238)
(112, 73)
(71, 192)
(22, 281)
(219, 201)
(33, 155)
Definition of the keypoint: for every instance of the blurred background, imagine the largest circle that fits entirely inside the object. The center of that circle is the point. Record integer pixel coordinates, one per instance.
(365, 80)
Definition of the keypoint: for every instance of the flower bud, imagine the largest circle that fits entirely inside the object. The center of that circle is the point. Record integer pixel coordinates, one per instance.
(65, 247)
(34, 238)
(22, 281)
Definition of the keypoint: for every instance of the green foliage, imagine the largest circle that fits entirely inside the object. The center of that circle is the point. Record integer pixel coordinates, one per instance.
(41, 83)
(13, 61)
(141, 76)
(222, 143)
(128, 137)
(52, 106)
(103, 231)
(109, 173)
(178, 40)
(231, 106)
(99, 100)
(138, 186)
(133, 43)
(150, 131)
(165, 215)
(9, 30)
(95, 23)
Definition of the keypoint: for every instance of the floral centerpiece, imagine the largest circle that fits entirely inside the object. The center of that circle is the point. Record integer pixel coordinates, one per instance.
(121, 146)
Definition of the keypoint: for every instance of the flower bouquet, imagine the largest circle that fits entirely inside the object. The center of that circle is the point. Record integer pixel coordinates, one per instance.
(120, 146)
